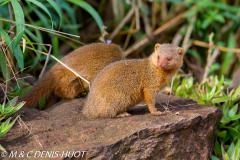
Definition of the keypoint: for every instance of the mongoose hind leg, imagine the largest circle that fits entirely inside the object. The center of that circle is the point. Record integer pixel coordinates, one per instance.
(51, 101)
(69, 90)
(123, 114)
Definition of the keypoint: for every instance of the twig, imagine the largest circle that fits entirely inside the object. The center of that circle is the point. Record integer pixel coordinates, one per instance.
(5, 81)
(47, 59)
(171, 106)
(21, 123)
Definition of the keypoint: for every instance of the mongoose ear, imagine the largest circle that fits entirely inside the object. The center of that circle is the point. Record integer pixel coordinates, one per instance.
(157, 46)
(181, 51)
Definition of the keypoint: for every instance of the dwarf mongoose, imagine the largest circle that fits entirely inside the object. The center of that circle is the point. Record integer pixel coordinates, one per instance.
(87, 61)
(123, 84)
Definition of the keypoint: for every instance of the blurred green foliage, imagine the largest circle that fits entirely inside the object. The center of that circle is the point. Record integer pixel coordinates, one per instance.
(212, 91)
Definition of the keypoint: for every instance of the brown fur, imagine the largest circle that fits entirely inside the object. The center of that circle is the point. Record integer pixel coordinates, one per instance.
(87, 61)
(123, 84)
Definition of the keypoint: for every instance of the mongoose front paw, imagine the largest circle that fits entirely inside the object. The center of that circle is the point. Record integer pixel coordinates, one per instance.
(158, 113)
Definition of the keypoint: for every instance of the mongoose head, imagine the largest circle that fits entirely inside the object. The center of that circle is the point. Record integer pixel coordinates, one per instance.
(167, 56)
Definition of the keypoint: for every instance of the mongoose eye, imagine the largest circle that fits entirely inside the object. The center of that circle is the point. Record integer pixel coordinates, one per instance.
(169, 58)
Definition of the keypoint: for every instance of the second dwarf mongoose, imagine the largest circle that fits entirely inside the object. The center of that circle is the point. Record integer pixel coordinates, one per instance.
(123, 84)
(87, 61)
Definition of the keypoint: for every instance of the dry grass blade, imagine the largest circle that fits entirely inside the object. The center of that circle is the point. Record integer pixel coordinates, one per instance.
(58, 33)
(47, 59)
(224, 49)
(210, 58)
(186, 41)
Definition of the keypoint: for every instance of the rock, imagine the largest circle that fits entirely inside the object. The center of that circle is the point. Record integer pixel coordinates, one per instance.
(62, 130)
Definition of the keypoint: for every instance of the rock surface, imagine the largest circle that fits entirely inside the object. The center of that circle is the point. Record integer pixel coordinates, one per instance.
(62, 130)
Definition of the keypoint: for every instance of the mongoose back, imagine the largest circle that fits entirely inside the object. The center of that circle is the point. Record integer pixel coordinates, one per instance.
(87, 61)
(123, 84)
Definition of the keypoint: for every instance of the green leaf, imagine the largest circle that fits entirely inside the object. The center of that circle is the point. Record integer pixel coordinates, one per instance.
(43, 8)
(5, 126)
(12, 102)
(214, 158)
(43, 18)
(206, 22)
(238, 144)
(220, 99)
(55, 6)
(211, 94)
(219, 18)
(90, 10)
(3, 2)
(224, 154)
(226, 157)
(17, 52)
(214, 67)
(233, 132)
(228, 55)
(30, 43)
(10, 111)
(195, 55)
(7, 39)
(19, 19)
(232, 112)
(3, 64)
(34, 37)
(236, 117)
(225, 109)
(2, 149)
(19, 57)
(69, 10)
(222, 134)
(236, 93)
(225, 120)
(230, 150)
(223, 6)
(217, 148)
